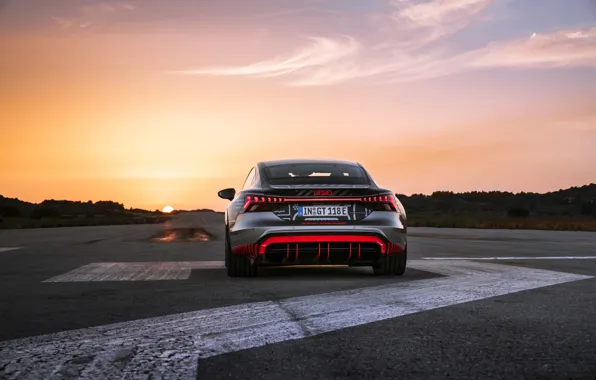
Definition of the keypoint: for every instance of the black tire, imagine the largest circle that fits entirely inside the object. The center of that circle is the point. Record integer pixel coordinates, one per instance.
(392, 265)
(228, 249)
(238, 266)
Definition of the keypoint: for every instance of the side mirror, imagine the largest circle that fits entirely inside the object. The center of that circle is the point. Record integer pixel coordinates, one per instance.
(227, 194)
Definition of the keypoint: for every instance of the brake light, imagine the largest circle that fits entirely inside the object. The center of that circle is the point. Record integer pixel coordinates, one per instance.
(383, 202)
(254, 203)
(259, 203)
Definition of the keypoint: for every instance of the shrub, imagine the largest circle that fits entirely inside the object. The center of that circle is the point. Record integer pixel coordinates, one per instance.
(589, 208)
(518, 212)
(45, 212)
(9, 211)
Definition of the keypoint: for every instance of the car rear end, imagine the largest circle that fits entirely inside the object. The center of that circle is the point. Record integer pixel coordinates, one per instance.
(327, 214)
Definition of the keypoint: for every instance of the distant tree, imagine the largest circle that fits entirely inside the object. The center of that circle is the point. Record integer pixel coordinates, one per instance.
(109, 206)
(589, 208)
(45, 212)
(9, 211)
(518, 212)
(443, 194)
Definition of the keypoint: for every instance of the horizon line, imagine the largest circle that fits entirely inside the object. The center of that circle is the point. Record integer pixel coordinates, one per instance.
(407, 195)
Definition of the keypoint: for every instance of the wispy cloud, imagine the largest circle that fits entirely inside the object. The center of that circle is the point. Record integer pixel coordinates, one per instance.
(584, 123)
(108, 7)
(568, 47)
(289, 11)
(93, 14)
(554, 49)
(417, 46)
(63, 23)
(431, 21)
(322, 52)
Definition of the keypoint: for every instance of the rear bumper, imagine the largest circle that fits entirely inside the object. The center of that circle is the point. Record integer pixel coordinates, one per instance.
(324, 249)
(364, 244)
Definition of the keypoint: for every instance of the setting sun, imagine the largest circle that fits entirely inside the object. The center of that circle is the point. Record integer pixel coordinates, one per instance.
(168, 209)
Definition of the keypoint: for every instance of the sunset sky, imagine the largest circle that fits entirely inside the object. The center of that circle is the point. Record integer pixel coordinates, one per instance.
(155, 102)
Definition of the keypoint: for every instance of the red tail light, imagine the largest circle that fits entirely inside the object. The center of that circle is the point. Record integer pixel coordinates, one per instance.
(259, 203)
(255, 203)
(383, 202)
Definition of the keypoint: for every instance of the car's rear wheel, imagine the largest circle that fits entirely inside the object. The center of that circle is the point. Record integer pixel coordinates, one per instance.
(238, 266)
(228, 249)
(241, 267)
(392, 265)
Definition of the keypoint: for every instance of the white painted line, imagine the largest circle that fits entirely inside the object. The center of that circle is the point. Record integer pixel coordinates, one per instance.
(6, 249)
(170, 346)
(207, 264)
(135, 271)
(514, 258)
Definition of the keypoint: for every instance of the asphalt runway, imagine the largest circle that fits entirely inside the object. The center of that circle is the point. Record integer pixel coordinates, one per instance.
(132, 302)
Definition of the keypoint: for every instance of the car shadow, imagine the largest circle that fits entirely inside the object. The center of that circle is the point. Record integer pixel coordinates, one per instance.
(338, 272)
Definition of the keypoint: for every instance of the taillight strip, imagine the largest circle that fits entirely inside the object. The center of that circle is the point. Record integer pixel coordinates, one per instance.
(261, 200)
(330, 199)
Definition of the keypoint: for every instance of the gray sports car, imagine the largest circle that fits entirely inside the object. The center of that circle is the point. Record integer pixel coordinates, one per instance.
(313, 212)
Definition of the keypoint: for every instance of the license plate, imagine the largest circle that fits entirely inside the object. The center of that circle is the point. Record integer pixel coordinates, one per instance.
(305, 211)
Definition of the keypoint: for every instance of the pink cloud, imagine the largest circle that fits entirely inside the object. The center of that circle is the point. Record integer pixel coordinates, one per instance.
(416, 47)
(93, 14)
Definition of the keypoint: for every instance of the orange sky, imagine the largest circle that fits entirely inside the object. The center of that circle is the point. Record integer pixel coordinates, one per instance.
(151, 106)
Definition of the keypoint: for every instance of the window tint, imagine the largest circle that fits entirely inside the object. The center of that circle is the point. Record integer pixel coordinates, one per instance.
(317, 173)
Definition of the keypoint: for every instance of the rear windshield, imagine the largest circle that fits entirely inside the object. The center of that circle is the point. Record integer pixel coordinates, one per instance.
(304, 174)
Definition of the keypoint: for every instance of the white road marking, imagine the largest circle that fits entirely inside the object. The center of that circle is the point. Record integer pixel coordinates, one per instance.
(170, 346)
(6, 249)
(135, 271)
(514, 258)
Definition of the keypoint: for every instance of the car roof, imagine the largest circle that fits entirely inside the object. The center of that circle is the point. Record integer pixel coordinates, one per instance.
(307, 161)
